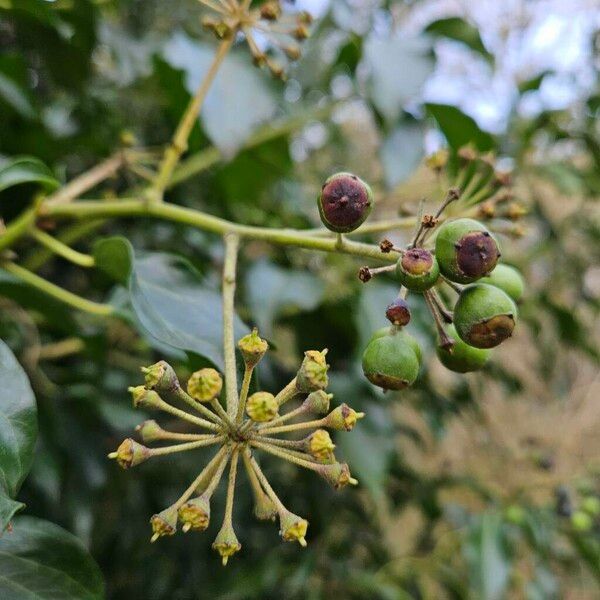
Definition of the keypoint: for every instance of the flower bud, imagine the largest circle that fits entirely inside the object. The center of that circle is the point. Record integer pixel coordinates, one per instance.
(262, 407)
(484, 316)
(195, 514)
(312, 374)
(204, 385)
(292, 528)
(130, 453)
(317, 402)
(163, 523)
(417, 270)
(319, 445)
(160, 377)
(253, 348)
(337, 475)
(226, 543)
(144, 398)
(345, 202)
(264, 508)
(398, 313)
(343, 417)
(150, 431)
(465, 250)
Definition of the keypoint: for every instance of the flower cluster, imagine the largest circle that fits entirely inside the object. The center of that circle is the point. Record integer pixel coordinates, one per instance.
(240, 436)
(284, 32)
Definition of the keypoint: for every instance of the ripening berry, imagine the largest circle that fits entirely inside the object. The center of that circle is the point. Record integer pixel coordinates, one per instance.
(461, 357)
(506, 278)
(484, 316)
(390, 362)
(398, 313)
(417, 269)
(465, 250)
(409, 339)
(345, 202)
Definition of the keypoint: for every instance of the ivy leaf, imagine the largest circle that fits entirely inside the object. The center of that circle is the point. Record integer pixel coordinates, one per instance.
(458, 29)
(18, 432)
(398, 68)
(458, 128)
(228, 117)
(41, 561)
(27, 169)
(273, 291)
(169, 297)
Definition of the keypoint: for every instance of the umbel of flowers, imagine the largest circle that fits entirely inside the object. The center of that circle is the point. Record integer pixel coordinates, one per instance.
(256, 427)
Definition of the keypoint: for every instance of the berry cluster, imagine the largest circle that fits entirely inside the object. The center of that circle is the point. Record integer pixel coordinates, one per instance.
(237, 436)
(460, 254)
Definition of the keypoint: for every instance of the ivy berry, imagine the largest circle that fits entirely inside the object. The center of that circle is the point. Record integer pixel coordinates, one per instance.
(345, 202)
(461, 357)
(508, 279)
(417, 270)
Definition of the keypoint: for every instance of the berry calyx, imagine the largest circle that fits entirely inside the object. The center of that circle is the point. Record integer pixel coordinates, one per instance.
(417, 269)
(461, 357)
(345, 202)
(390, 362)
(484, 316)
(398, 313)
(508, 279)
(465, 250)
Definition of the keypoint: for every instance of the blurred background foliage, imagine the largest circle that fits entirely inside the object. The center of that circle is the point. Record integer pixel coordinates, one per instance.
(476, 486)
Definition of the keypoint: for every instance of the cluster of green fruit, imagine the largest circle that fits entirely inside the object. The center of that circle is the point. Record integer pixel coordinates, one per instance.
(464, 257)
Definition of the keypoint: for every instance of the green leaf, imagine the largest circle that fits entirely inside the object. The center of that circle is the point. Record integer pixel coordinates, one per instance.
(458, 128)
(228, 116)
(530, 85)
(458, 29)
(18, 432)
(273, 291)
(27, 169)
(177, 307)
(41, 561)
(398, 68)
(114, 256)
(401, 153)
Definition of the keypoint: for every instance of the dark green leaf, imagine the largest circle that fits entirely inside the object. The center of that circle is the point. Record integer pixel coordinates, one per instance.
(177, 307)
(114, 256)
(26, 169)
(18, 432)
(41, 561)
(458, 29)
(458, 128)
(273, 291)
(530, 85)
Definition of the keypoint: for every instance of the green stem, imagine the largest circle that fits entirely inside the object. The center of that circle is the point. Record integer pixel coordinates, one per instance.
(295, 427)
(17, 228)
(197, 406)
(281, 453)
(180, 139)
(265, 483)
(244, 394)
(61, 249)
(57, 292)
(185, 416)
(221, 412)
(287, 393)
(165, 450)
(227, 519)
(229, 275)
(293, 444)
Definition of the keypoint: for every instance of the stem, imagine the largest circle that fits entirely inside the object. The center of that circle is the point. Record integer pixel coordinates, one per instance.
(231, 486)
(457, 288)
(184, 437)
(17, 228)
(254, 482)
(280, 453)
(57, 350)
(86, 181)
(185, 416)
(294, 444)
(294, 427)
(265, 483)
(283, 418)
(221, 412)
(439, 304)
(244, 394)
(289, 392)
(198, 406)
(445, 341)
(229, 273)
(206, 222)
(58, 247)
(217, 439)
(180, 139)
(59, 293)
(216, 478)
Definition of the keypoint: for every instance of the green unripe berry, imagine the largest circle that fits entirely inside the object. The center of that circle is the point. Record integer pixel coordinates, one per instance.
(405, 336)
(508, 279)
(417, 270)
(465, 250)
(515, 514)
(581, 521)
(484, 316)
(591, 505)
(461, 357)
(345, 202)
(390, 362)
